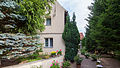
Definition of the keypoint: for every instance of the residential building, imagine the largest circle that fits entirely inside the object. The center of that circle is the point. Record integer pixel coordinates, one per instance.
(51, 37)
(81, 37)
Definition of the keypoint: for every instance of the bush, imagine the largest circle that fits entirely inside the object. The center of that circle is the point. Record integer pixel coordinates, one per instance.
(83, 51)
(59, 52)
(87, 55)
(55, 64)
(66, 64)
(78, 59)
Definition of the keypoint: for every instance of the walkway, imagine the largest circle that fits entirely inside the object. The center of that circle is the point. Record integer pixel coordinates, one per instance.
(86, 63)
(110, 63)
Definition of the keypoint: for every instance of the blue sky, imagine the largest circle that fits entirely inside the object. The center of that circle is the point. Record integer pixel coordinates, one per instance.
(80, 7)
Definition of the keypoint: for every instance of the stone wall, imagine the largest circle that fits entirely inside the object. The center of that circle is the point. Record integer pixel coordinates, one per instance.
(16, 45)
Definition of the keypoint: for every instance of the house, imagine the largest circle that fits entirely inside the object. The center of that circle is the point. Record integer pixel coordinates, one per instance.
(81, 37)
(51, 37)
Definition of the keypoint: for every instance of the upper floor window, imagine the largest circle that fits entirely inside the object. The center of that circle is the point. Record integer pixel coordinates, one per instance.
(48, 42)
(48, 21)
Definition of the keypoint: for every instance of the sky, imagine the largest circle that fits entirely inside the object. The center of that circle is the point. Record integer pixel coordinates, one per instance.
(80, 7)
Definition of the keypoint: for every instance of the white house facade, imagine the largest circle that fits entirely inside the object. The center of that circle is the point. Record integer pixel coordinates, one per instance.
(51, 37)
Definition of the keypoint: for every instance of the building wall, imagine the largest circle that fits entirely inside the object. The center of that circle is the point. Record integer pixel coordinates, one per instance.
(58, 43)
(55, 30)
(57, 18)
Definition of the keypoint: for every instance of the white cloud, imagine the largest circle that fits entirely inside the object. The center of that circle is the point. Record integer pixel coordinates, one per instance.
(80, 7)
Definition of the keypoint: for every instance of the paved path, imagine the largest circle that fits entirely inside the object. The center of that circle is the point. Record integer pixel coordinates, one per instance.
(86, 63)
(110, 63)
(106, 62)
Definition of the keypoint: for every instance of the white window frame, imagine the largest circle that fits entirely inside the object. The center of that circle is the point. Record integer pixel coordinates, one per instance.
(48, 43)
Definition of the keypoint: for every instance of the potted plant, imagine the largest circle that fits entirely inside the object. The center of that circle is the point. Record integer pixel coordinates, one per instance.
(66, 64)
(78, 60)
(53, 53)
(59, 52)
(87, 55)
(94, 57)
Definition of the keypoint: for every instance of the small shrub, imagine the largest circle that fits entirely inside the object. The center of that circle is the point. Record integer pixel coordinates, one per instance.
(55, 64)
(87, 55)
(83, 51)
(66, 64)
(78, 59)
(38, 58)
(94, 57)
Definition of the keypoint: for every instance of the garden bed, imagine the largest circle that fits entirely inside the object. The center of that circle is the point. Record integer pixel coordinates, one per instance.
(45, 63)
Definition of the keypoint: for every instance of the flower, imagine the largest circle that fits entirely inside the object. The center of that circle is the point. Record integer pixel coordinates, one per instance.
(55, 64)
(57, 51)
(51, 65)
(52, 61)
(60, 49)
(56, 61)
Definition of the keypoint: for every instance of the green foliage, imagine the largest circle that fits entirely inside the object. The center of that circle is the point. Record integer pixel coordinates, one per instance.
(24, 16)
(78, 59)
(55, 64)
(94, 57)
(35, 11)
(59, 53)
(30, 58)
(72, 38)
(8, 18)
(83, 50)
(87, 55)
(102, 33)
(66, 64)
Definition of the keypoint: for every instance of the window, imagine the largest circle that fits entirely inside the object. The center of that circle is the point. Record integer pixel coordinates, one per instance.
(48, 21)
(48, 42)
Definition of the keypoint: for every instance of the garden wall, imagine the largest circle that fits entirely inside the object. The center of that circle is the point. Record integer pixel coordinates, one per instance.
(45, 63)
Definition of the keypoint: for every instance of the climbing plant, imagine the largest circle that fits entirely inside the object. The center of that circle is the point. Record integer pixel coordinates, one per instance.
(35, 11)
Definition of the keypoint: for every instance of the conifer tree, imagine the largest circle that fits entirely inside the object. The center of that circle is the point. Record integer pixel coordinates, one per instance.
(72, 38)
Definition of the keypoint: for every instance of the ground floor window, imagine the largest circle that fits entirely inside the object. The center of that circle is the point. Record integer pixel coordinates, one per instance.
(48, 42)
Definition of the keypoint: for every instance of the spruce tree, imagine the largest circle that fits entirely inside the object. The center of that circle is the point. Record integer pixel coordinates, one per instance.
(103, 31)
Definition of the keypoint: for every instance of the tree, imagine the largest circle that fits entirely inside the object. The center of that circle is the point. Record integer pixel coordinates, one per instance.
(103, 30)
(26, 16)
(71, 37)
